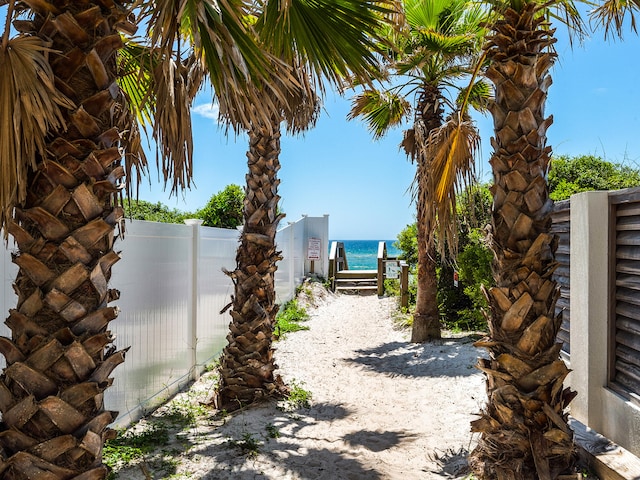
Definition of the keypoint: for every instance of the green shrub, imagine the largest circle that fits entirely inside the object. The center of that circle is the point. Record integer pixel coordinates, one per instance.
(224, 209)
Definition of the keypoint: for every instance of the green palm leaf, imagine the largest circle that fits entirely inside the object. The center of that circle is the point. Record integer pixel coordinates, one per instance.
(380, 110)
(337, 38)
(445, 45)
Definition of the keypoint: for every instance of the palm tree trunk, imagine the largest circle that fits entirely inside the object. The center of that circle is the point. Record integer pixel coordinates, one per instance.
(426, 320)
(60, 353)
(247, 366)
(524, 429)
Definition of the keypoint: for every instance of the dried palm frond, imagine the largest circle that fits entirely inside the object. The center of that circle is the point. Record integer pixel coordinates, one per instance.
(611, 14)
(172, 127)
(450, 151)
(302, 106)
(135, 158)
(30, 107)
(238, 68)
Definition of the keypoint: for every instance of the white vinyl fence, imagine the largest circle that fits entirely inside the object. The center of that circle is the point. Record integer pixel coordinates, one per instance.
(172, 289)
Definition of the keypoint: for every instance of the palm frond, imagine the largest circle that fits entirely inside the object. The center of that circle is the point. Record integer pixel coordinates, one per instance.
(478, 95)
(611, 15)
(337, 38)
(302, 106)
(379, 110)
(172, 127)
(450, 151)
(446, 45)
(30, 108)
(136, 65)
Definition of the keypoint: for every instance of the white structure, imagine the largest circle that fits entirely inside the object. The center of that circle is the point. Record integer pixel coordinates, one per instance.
(597, 405)
(172, 288)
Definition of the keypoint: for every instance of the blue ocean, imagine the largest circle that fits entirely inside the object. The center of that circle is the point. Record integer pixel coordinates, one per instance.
(363, 254)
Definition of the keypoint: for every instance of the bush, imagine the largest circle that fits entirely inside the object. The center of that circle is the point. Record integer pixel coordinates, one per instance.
(224, 209)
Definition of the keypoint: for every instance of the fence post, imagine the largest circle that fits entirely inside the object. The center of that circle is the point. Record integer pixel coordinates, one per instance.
(589, 304)
(404, 285)
(192, 305)
(292, 262)
(382, 256)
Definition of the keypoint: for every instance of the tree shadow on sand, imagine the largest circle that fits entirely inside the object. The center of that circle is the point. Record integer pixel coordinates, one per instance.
(264, 442)
(452, 357)
(329, 458)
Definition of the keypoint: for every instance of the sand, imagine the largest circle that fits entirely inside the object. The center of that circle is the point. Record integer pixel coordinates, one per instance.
(381, 407)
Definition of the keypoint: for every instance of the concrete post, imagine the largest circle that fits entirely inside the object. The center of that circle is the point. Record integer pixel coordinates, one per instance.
(589, 273)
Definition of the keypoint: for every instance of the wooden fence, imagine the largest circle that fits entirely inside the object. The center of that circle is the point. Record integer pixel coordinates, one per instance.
(561, 223)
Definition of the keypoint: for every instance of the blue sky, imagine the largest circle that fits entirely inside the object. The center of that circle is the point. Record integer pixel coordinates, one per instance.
(337, 169)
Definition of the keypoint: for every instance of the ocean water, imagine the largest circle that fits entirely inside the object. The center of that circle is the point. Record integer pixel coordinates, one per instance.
(363, 254)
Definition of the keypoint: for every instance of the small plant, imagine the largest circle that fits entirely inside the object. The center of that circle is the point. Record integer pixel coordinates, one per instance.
(272, 431)
(297, 398)
(289, 318)
(248, 445)
(184, 411)
(132, 446)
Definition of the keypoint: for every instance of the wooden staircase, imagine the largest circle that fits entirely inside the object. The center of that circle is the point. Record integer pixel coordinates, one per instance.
(356, 281)
(365, 281)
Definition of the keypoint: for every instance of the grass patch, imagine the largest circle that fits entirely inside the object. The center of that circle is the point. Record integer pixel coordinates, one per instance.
(289, 318)
(132, 446)
(184, 411)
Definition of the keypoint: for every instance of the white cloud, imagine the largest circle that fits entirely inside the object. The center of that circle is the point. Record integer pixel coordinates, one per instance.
(207, 110)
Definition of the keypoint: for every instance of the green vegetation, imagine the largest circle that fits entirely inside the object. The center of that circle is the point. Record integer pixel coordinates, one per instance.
(461, 307)
(153, 212)
(298, 397)
(272, 431)
(248, 445)
(289, 318)
(569, 175)
(185, 411)
(133, 445)
(224, 209)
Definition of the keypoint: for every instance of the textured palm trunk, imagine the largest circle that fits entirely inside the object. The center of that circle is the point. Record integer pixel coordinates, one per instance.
(524, 429)
(247, 366)
(60, 353)
(426, 319)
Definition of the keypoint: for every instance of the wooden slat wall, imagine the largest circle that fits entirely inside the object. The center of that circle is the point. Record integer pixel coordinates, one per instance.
(625, 357)
(561, 217)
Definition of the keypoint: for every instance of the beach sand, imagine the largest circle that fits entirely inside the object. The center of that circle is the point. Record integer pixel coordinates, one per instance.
(381, 407)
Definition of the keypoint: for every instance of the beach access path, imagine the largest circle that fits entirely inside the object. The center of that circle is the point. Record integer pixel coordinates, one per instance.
(381, 407)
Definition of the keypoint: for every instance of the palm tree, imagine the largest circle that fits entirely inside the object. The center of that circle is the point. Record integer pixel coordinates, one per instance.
(66, 124)
(438, 45)
(324, 41)
(524, 432)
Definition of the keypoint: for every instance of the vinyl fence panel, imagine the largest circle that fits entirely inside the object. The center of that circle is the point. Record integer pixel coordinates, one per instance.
(153, 278)
(173, 287)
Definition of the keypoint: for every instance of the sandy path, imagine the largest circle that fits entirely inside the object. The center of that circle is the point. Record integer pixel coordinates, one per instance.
(381, 408)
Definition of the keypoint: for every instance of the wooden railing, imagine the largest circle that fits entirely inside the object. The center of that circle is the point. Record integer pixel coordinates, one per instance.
(337, 262)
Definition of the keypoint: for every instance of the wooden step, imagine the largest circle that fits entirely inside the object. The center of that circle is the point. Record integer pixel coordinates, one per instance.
(357, 274)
